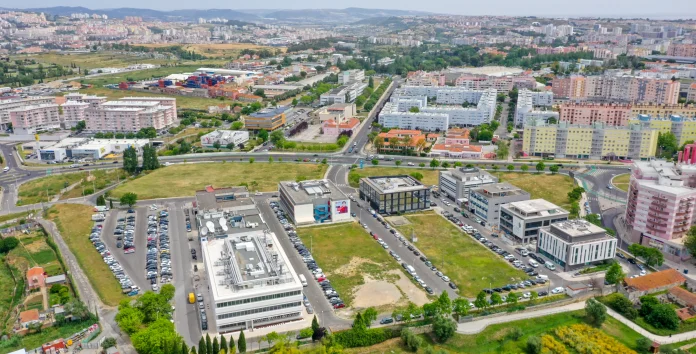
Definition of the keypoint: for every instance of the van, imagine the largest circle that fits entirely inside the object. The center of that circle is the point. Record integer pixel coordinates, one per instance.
(550, 266)
(192, 298)
(303, 280)
(522, 252)
(101, 208)
(411, 270)
(7, 168)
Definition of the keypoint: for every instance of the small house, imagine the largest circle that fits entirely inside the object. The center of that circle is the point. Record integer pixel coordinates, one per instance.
(663, 280)
(36, 278)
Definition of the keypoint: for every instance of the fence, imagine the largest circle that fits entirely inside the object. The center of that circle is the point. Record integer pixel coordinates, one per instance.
(24, 227)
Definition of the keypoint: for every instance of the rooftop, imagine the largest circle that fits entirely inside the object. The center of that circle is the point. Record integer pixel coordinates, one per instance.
(211, 198)
(306, 191)
(655, 280)
(577, 228)
(269, 112)
(392, 184)
(499, 190)
(535, 207)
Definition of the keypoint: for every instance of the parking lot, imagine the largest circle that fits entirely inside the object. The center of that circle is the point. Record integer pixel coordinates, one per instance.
(105, 242)
(125, 232)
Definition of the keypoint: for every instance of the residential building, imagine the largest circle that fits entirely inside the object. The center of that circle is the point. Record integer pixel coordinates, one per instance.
(485, 201)
(424, 78)
(663, 110)
(590, 113)
(30, 119)
(575, 244)
(456, 183)
(651, 283)
(268, 118)
(660, 207)
(455, 144)
(92, 100)
(596, 141)
(682, 50)
(74, 112)
(617, 88)
(338, 112)
(36, 278)
(349, 76)
(224, 138)
(691, 93)
(11, 103)
(29, 317)
(385, 61)
(313, 201)
(332, 128)
(128, 115)
(343, 94)
(684, 129)
(521, 221)
(394, 194)
(527, 101)
(402, 142)
(572, 87)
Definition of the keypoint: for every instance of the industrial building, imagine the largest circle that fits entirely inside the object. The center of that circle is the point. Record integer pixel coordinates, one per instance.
(575, 244)
(250, 278)
(394, 194)
(314, 201)
(521, 221)
(88, 148)
(485, 201)
(269, 119)
(456, 183)
(224, 138)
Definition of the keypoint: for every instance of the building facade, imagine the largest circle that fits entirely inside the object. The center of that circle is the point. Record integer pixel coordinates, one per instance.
(315, 201)
(590, 113)
(485, 201)
(575, 244)
(394, 194)
(269, 119)
(521, 221)
(224, 138)
(457, 183)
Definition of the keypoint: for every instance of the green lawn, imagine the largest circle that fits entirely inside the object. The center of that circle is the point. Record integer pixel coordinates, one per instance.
(469, 264)
(92, 60)
(497, 338)
(19, 215)
(45, 188)
(185, 179)
(102, 179)
(553, 188)
(430, 176)
(339, 246)
(621, 181)
(74, 224)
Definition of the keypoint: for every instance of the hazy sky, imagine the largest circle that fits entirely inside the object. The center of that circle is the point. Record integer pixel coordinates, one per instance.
(615, 8)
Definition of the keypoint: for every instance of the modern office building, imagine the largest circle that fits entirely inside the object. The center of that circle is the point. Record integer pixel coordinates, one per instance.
(88, 148)
(575, 244)
(485, 201)
(394, 194)
(225, 137)
(521, 221)
(269, 119)
(314, 201)
(596, 141)
(457, 182)
(343, 94)
(251, 281)
(349, 76)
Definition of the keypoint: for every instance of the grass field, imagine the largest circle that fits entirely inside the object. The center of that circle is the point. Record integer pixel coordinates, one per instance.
(553, 188)
(470, 265)
(19, 215)
(430, 176)
(621, 181)
(46, 188)
(7, 286)
(101, 180)
(74, 225)
(92, 60)
(498, 339)
(181, 101)
(215, 50)
(185, 179)
(345, 253)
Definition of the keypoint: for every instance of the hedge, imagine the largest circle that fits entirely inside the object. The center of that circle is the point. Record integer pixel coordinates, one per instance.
(353, 339)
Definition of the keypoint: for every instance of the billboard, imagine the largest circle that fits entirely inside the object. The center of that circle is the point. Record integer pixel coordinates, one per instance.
(341, 207)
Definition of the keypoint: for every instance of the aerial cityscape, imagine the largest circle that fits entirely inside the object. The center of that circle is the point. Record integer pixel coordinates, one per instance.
(210, 178)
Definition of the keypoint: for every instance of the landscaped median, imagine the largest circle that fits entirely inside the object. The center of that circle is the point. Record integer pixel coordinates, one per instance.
(621, 181)
(360, 270)
(74, 223)
(185, 179)
(468, 264)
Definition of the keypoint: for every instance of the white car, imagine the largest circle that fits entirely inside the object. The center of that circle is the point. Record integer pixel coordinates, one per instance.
(642, 273)
(527, 295)
(445, 278)
(557, 290)
(411, 164)
(258, 194)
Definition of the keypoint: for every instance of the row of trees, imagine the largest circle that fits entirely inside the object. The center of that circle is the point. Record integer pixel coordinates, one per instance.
(150, 160)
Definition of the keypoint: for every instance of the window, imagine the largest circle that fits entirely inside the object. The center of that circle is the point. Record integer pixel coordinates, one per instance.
(259, 298)
(258, 310)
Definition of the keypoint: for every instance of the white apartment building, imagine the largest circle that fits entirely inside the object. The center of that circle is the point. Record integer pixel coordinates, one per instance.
(520, 221)
(527, 101)
(575, 244)
(343, 94)
(29, 119)
(92, 100)
(392, 118)
(225, 137)
(349, 76)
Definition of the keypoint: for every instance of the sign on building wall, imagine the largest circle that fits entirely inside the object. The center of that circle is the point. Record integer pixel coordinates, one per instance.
(341, 207)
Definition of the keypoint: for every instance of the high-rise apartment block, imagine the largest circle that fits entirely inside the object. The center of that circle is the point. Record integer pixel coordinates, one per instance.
(682, 50)
(607, 88)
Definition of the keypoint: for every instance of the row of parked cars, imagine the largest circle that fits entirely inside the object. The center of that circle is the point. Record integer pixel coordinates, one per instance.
(158, 252)
(127, 286)
(125, 232)
(280, 214)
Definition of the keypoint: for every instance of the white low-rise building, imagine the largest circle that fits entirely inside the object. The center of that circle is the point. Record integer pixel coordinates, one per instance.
(522, 220)
(343, 94)
(348, 76)
(574, 244)
(314, 201)
(224, 138)
(527, 110)
(88, 148)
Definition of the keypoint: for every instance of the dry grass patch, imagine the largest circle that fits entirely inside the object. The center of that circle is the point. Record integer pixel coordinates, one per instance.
(621, 181)
(553, 188)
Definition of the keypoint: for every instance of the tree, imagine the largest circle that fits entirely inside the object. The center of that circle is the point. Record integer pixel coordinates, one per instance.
(461, 306)
(277, 137)
(216, 345)
(129, 199)
(554, 169)
(369, 316)
(375, 162)
(157, 338)
(208, 344)
(223, 343)
(258, 92)
(444, 328)
(540, 166)
(236, 126)
(421, 165)
(690, 241)
(150, 160)
(101, 200)
(534, 345)
(417, 175)
(263, 134)
(512, 298)
(251, 160)
(667, 144)
(434, 163)
(444, 304)
(371, 82)
(241, 342)
(130, 160)
(216, 145)
(485, 135)
(524, 168)
(193, 350)
(496, 299)
(294, 102)
(414, 109)
(109, 342)
(614, 274)
(129, 319)
(184, 348)
(201, 346)
(511, 168)
(358, 323)
(445, 164)
(481, 301)
(663, 316)
(397, 162)
(595, 312)
(80, 126)
(410, 339)
(643, 344)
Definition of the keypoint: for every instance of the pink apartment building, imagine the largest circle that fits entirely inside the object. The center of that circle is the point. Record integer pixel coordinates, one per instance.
(682, 50)
(590, 113)
(129, 116)
(604, 88)
(27, 119)
(660, 207)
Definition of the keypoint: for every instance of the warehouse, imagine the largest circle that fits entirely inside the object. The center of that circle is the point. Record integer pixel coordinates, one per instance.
(87, 148)
(315, 201)
(394, 194)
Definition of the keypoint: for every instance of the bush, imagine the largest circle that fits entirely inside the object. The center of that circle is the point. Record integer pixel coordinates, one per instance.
(621, 304)
(444, 328)
(410, 339)
(533, 345)
(366, 338)
(662, 316)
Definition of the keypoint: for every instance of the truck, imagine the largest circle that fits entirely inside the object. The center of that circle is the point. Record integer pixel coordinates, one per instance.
(101, 208)
(98, 217)
(303, 280)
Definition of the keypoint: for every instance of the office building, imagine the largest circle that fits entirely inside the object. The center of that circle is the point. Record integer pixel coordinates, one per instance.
(88, 148)
(224, 138)
(313, 201)
(343, 94)
(457, 182)
(268, 118)
(394, 194)
(596, 141)
(575, 244)
(485, 201)
(349, 76)
(521, 221)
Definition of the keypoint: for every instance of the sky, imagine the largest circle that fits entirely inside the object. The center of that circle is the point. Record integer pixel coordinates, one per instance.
(569, 8)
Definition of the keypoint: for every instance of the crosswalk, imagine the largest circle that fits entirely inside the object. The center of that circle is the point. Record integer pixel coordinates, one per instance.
(594, 172)
(10, 177)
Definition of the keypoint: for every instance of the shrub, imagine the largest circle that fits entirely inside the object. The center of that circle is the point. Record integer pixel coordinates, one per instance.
(366, 338)
(410, 339)
(621, 304)
(533, 345)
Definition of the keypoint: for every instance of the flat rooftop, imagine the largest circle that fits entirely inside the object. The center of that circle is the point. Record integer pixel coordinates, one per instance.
(577, 228)
(392, 184)
(269, 112)
(243, 265)
(499, 190)
(536, 207)
(212, 198)
(306, 191)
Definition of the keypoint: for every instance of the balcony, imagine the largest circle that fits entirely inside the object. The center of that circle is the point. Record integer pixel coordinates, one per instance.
(657, 216)
(658, 210)
(658, 197)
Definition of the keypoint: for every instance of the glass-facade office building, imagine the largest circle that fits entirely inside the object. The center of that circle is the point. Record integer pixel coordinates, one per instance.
(394, 194)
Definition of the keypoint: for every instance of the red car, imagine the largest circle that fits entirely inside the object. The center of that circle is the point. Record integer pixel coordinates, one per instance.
(339, 306)
(375, 237)
(321, 279)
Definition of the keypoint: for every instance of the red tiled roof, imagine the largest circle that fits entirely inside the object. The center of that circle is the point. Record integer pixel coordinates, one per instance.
(686, 296)
(656, 280)
(35, 272)
(28, 316)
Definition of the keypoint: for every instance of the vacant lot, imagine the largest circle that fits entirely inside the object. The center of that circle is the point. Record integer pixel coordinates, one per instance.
(621, 181)
(47, 188)
(430, 176)
(74, 224)
(553, 188)
(350, 258)
(93, 60)
(499, 339)
(185, 179)
(229, 50)
(19, 215)
(138, 75)
(181, 101)
(469, 264)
